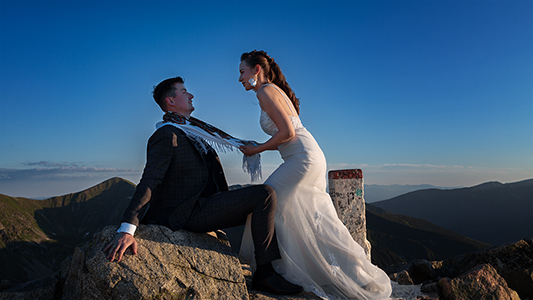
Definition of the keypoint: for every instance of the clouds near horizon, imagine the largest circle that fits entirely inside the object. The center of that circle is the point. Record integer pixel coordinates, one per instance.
(46, 178)
(43, 179)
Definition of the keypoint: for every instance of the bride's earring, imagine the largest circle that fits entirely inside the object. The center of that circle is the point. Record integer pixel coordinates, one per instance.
(253, 82)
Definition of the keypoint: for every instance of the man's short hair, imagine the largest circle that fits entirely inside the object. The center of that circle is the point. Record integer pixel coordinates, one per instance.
(165, 89)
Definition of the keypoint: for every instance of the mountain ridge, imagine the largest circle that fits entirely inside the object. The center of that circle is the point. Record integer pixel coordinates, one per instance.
(37, 235)
(398, 238)
(378, 192)
(492, 212)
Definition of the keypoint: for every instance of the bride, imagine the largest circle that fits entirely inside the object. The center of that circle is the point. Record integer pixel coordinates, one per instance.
(317, 250)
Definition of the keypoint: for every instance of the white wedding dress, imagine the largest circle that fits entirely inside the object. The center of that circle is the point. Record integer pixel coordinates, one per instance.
(317, 250)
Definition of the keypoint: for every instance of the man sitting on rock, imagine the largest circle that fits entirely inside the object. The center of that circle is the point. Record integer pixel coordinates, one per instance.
(183, 187)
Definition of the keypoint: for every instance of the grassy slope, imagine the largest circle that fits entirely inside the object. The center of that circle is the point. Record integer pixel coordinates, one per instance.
(36, 235)
(397, 238)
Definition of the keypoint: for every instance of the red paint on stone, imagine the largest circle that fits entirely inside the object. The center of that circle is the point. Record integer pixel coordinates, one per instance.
(346, 174)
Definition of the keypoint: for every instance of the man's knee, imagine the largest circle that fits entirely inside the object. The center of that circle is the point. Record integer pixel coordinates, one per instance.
(266, 193)
(270, 190)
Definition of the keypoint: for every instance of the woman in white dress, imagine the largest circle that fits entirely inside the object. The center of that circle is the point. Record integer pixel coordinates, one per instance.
(318, 252)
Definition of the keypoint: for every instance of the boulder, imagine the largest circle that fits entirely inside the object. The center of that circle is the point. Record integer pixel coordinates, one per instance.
(421, 271)
(415, 272)
(402, 278)
(513, 262)
(169, 265)
(430, 288)
(258, 295)
(482, 283)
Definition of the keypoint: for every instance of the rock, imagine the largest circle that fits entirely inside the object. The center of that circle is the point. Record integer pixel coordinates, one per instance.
(38, 289)
(513, 262)
(427, 297)
(421, 271)
(402, 278)
(430, 288)
(397, 268)
(257, 295)
(418, 271)
(169, 265)
(482, 282)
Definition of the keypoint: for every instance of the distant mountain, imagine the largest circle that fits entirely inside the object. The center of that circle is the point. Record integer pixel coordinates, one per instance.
(397, 238)
(491, 212)
(36, 235)
(376, 192)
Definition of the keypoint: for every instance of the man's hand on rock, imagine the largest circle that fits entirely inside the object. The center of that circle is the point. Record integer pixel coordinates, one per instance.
(120, 243)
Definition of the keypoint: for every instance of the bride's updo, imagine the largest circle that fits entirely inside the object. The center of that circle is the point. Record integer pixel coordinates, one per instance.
(272, 72)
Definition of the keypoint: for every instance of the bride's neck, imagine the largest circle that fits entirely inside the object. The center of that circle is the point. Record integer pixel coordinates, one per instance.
(260, 85)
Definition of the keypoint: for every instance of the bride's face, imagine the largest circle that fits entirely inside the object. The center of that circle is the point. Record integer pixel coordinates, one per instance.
(246, 74)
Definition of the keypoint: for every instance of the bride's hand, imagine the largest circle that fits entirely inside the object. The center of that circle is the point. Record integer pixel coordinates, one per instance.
(249, 150)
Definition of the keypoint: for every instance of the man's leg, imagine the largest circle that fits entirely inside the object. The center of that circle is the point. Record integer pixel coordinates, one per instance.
(231, 208)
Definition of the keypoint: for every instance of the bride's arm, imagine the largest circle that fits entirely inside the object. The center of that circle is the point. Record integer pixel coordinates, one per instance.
(277, 114)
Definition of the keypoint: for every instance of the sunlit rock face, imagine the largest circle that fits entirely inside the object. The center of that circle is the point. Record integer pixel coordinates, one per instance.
(169, 265)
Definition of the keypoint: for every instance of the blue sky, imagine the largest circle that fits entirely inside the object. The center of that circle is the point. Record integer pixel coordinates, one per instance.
(412, 92)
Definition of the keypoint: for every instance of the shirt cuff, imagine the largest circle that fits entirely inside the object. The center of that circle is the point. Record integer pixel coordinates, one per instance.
(127, 227)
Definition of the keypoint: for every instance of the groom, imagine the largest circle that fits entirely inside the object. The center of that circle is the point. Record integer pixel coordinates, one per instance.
(183, 187)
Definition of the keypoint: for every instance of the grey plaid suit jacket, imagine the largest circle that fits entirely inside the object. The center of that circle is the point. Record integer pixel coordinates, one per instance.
(174, 179)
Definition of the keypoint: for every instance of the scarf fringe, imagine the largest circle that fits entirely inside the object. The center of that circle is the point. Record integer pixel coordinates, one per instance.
(252, 166)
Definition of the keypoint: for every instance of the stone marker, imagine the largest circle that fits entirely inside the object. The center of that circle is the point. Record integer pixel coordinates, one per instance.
(346, 191)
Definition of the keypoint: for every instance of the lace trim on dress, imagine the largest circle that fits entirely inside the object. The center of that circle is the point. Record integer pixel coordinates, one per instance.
(318, 220)
(268, 126)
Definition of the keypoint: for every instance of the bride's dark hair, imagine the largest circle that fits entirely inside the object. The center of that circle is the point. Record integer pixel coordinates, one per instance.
(272, 72)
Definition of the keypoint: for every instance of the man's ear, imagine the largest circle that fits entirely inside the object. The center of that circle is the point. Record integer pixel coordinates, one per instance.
(169, 102)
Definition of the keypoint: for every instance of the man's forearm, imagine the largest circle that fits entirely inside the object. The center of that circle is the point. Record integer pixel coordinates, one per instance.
(140, 201)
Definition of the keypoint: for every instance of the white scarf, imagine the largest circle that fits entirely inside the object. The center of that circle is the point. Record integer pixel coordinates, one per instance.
(203, 134)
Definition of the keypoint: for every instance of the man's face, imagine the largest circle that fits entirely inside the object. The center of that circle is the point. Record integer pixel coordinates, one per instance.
(182, 102)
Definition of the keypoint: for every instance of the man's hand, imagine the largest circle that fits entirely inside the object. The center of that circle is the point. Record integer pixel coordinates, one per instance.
(119, 244)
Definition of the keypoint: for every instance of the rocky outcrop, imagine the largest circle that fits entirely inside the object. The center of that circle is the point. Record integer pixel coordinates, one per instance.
(169, 265)
(513, 262)
(482, 282)
(506, 270)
